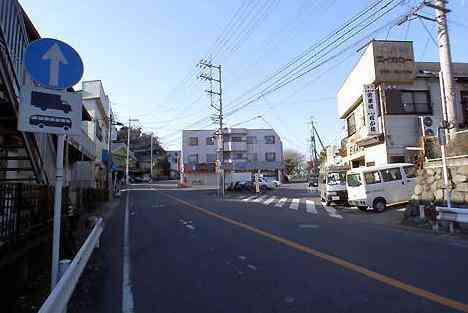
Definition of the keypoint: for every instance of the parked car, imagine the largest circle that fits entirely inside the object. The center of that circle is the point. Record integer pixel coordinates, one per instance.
(379, 186)
(267, 184)
(332, 185)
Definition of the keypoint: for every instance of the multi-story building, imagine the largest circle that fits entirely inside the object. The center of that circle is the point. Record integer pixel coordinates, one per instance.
(245, 150)
(385, 98)
(98, 105)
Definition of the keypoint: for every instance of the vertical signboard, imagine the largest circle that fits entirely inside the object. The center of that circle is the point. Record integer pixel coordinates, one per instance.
(371, 110)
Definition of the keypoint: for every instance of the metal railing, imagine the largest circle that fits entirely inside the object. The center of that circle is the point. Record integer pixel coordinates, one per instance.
(60, 296)
(23, 208)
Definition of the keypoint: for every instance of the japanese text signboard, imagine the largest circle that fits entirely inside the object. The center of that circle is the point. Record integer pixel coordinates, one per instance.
(371, 110)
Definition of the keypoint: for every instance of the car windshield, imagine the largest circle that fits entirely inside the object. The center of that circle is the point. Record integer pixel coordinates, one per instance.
(354, 180)
(336, 178)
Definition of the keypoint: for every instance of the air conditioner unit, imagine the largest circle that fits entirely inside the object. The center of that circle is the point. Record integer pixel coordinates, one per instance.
(427, 126)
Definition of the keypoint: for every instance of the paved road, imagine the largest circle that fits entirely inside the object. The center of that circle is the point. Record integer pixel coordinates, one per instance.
(187, 251)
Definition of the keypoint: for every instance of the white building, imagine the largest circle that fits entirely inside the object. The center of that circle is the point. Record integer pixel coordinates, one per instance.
(245, 150)
(383, 121)
(98, 105)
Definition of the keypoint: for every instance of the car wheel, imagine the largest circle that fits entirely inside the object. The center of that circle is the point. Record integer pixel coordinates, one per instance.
(379, 205)
(362, 208)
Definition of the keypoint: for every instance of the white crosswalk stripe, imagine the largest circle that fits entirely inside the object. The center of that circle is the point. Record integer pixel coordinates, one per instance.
(259, 199)
(248, 199)
(269, 201)
(332, 212)
(281, 202)
(294, 204)
(310, 207)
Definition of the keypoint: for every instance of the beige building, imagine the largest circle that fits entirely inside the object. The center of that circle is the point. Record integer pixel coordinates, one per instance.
(384, 100)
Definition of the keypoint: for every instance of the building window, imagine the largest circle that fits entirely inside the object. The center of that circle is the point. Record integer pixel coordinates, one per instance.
(270, 156)
(210, 141)
(391, 174)
(464, 104)
(351, 124)
(251, 140)
(408, 102)
(236, 139)
(193, 141)
(397, 159)
(211, 157)
(372, 177)
(193, 159)
(270, 140)
(252, 157)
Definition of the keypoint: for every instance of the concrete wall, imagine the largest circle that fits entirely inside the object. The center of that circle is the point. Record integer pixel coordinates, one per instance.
(351, 90)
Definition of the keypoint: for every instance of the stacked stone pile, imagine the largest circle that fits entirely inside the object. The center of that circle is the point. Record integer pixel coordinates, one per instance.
(430, 186)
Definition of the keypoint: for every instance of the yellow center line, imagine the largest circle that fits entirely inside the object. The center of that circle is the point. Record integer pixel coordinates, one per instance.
(335, 260)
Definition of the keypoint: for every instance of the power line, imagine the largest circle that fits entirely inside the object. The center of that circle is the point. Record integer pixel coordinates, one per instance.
(284, 80)
(311, 48)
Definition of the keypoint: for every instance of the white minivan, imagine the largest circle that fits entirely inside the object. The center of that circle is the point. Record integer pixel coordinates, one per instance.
(378, 186)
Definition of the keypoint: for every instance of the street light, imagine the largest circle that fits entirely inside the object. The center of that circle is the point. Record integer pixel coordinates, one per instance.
(127, 181)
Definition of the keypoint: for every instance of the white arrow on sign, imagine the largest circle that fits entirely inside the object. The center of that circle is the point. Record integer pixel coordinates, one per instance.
(55, 57)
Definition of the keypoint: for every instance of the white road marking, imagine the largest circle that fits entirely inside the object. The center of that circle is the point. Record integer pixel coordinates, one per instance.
(269, 201)
(252, 267)
(294, 204)
(332, 212)
(190, 226)
(281, 202)
(259, 199)
(127, 293)
(248, 199)
(310, 207)
(308, 226)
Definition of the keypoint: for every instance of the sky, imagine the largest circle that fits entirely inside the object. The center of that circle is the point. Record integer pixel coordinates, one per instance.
(145, 53)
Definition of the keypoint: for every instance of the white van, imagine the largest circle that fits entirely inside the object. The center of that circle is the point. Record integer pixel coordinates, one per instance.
(332, 186)
(379, 186)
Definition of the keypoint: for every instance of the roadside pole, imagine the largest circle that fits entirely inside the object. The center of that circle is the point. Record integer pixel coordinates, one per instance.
(109, 156)
(446, 64)
(443, 140)
(151, 158)
(57, 211)
(53, 67)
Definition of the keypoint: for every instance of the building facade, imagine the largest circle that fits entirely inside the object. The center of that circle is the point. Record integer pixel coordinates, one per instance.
(388, 101)
(245, 150)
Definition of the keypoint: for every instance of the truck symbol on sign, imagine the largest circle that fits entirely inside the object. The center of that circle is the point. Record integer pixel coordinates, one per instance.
(46, 101)
(50, 121)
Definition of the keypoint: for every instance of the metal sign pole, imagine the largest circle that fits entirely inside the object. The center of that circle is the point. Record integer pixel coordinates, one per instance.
(57, 211)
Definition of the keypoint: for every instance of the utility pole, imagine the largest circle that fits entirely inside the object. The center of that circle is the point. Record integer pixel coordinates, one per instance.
(109, 155)
(151, 157)
(128, 150)
(313, 155)
(445, 56)
(204, 64)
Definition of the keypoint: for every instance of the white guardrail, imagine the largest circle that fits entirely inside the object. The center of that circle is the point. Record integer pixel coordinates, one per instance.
(452, 214)
(60, 295)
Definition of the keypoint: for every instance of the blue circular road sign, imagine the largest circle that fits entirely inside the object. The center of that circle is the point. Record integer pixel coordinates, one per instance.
(53, 64)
